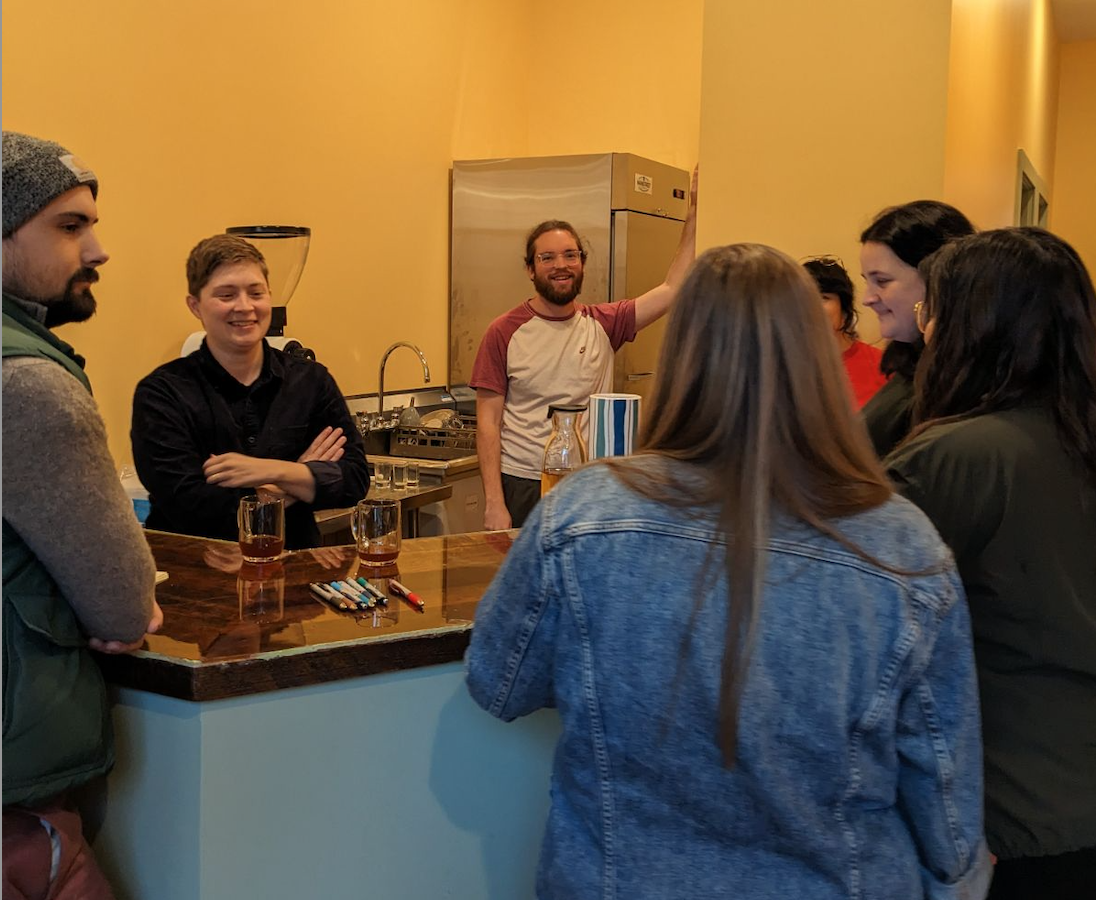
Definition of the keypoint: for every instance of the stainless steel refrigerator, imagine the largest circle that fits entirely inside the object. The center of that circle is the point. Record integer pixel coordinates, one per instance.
(628, 211)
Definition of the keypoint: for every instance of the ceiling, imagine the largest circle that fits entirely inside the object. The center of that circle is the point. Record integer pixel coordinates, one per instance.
(1075, 20)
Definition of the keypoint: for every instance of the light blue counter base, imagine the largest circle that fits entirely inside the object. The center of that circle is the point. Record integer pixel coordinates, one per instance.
(393, 786)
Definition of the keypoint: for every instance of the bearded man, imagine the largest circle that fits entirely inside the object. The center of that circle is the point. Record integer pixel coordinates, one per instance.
(552, 351)
(78, 573)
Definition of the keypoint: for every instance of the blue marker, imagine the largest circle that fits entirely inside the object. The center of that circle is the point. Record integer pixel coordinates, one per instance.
(348, 594)
(363, 596)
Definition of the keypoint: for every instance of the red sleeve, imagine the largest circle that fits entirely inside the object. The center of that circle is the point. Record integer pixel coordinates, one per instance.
(489, 370)
(618, 319)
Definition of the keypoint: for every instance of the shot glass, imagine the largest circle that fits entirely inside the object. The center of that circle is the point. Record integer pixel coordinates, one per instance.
(399, 476)
(382, 474)
(376, 527)
(262, 528)
(412, 475)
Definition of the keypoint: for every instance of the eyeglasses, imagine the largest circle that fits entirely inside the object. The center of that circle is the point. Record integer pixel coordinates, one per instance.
(922, 314)
(569, 256)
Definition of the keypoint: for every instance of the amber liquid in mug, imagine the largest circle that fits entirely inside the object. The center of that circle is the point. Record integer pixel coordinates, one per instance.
(549, 478)
(378, 557)
(262, 547)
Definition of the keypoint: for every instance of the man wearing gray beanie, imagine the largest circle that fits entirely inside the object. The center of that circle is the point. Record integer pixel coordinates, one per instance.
(78, 573)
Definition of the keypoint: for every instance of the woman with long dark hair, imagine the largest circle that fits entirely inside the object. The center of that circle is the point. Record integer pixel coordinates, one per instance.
(892, 247)
(760, 655)
(1004, 463)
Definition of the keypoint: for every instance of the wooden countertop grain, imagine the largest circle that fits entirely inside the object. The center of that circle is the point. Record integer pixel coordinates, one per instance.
(232, 629)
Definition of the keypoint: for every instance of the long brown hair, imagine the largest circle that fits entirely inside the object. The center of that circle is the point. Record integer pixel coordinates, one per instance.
(751, 392)
(1015, 322)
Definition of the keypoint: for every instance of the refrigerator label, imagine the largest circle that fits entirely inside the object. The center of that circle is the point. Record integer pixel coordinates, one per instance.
(643, 184)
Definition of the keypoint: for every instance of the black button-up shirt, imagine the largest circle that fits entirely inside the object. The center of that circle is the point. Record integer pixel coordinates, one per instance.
(191, 408)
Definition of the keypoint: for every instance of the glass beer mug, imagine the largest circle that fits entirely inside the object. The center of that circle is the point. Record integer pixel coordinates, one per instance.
(565, 450)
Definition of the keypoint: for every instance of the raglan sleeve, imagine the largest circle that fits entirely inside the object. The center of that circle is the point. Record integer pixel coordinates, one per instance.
(489, 369)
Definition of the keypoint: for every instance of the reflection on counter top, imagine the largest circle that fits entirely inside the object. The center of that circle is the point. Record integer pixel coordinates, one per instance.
(231, 629)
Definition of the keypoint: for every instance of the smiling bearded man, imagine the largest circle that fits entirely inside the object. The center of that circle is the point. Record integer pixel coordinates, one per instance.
(552, 350)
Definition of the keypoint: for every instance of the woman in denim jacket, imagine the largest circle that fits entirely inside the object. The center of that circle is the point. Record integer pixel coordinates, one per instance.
(760, 655)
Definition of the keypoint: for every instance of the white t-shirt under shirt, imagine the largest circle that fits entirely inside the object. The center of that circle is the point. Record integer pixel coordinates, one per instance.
(537, 361)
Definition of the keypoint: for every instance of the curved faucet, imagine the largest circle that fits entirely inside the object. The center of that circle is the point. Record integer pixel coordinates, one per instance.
(384, 362)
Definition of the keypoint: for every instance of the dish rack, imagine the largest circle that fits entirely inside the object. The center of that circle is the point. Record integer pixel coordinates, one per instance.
(435, 442)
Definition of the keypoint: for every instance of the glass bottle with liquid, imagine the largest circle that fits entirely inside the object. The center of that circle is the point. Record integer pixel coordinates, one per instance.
(565, 450)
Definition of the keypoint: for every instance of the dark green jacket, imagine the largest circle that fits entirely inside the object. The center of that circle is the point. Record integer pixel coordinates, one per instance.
(57, 729)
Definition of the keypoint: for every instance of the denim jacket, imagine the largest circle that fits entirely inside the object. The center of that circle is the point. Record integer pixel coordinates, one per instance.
(858, 769)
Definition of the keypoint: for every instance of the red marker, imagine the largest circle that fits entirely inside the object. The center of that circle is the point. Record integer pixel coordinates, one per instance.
(400, 591)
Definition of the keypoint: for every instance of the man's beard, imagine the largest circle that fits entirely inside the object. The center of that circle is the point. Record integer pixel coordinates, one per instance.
(554, 293)
(73, 305)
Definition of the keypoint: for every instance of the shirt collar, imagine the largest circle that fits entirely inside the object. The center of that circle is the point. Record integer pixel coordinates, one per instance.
(272, 372)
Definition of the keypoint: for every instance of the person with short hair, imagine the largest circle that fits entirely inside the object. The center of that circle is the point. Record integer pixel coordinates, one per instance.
(862, 361)
(761, 656)
(891, 248)
(551, 351)
(237, 416)
(78, 573)
(1003, 460)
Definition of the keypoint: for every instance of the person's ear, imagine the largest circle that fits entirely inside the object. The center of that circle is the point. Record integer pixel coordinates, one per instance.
(192, 305)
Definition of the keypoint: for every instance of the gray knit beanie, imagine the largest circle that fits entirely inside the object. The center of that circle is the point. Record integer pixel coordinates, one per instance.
(35, 173)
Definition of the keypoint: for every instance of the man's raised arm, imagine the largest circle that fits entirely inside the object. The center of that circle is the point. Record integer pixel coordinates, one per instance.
(656, 302)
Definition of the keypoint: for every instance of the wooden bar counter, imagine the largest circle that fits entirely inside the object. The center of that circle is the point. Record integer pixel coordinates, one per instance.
(232, 628)
(272, 747)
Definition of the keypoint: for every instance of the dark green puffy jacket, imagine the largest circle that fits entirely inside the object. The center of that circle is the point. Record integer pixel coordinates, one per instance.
(57, 729)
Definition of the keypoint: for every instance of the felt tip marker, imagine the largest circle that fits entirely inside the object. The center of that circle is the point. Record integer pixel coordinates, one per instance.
(337, 597)
(340, 585)
(373, 591)
(412, 598)
(355, 599)
(364, 597)
(325, 596)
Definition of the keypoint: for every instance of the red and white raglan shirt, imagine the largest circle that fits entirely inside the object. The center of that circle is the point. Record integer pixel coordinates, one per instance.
(538, 361)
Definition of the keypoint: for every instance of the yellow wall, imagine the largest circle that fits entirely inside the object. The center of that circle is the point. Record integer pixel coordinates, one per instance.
(341, 116)
(1002, 97)
(1073, 207)
(814, 116)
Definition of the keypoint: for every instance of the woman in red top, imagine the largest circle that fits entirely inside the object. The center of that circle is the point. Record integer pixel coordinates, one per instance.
(861, 360)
